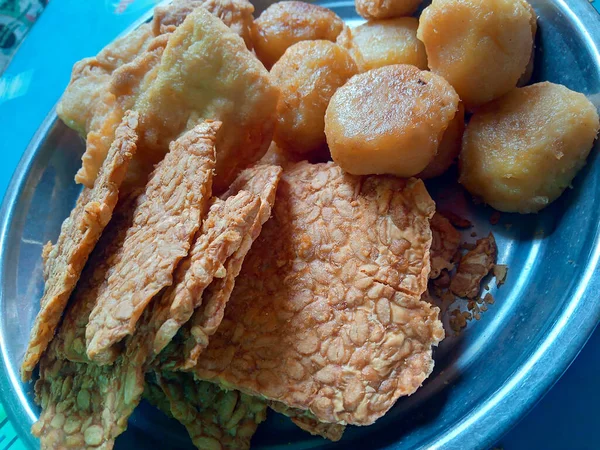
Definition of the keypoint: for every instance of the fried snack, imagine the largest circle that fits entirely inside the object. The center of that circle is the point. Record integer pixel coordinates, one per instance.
(308, 74)
(222, 233)
(262, 181)
(283, 24)
(445, 244)
(206, 72)
(102, 89)
(523, 150)
(473, 266)
(214, 418)
(79, 234)
(389, 120)
(166, 218)
(154, 395)
(77, 403)
(83, 104)
(484, 59)
(385, 9)
(449, 147)
(307, 422)
(381, 43)
(326, 313)
(236, 14)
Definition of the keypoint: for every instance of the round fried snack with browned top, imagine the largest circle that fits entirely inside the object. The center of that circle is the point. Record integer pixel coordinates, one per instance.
(384, 9)
(385, 42)
(308, 74)
(481, 47)
(283, 24)
(523, 150)
(389, 120)
(449, 147)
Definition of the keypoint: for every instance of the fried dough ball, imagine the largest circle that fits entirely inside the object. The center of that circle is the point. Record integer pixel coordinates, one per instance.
(385, 42)
(307, 75)
(522, 151)
(449, 147)
(389, 120)
(285, 23)
(482, 47)
(385, 9)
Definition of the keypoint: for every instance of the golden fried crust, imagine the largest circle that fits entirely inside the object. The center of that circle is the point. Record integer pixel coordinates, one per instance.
(167, 216)
(326, 314)
(262, 181)
(207, 72)
(222, 233)
(236, 14)
(307, 422)
(79, 234)
(215, 419)
(385, 9)
(473, 266)
(445, 243)
(119, 94)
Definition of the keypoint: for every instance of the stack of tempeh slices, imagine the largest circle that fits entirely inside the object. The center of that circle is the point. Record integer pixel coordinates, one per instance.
(216, 283)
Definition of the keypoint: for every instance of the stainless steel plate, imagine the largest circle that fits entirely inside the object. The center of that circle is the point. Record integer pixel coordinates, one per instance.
(485, 379)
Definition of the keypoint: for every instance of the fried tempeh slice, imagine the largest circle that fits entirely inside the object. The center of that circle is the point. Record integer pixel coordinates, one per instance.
(262, 181)
(222, 233)
(307, 422)
(445, 244)
(77, 402)
(166, 219)
(214, 418)
(473, 266)
(206, 72)
(326, 314)
(78, 236)
(236, 14)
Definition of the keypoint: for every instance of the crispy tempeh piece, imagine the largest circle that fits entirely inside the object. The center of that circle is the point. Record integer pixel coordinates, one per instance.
(473, 266)
(326, 314)
(260, 180)
(78, 236)
(308, 422)
(167, 216)
(77, 402)
(222, 233)
(236, 14)
(214, 418)
(445, 244)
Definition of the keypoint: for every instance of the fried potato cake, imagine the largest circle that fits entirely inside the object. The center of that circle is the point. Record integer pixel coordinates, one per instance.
(166, 219)
(215, 419)
(326, 314)
(64, 261)
(236, 14)
(206, 72)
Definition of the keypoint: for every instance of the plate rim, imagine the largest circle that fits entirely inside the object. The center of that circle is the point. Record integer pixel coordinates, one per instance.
(481, 426)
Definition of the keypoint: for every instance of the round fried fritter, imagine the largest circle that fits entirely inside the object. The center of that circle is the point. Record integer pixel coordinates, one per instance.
(385, 42)
(481, 47)
(449, 147)
(285, 23)
(522, 151)
(389, 120)
(307, 75)
(385, 9)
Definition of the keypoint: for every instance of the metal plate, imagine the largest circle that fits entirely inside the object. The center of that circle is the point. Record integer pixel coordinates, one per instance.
(485, 379)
